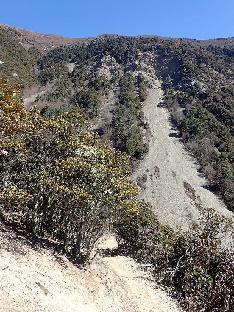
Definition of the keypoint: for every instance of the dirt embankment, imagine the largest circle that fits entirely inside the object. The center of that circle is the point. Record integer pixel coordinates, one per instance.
(35, 280)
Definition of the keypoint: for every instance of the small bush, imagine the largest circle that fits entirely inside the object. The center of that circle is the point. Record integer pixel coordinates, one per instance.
(89, 101)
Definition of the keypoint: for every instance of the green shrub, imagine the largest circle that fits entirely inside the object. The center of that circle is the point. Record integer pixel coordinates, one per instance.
(127, 120)
(88, 100)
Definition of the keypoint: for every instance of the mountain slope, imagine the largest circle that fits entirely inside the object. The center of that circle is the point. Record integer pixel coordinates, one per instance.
(159, 100)
(20, 50)
(29, 39)
(197, 79)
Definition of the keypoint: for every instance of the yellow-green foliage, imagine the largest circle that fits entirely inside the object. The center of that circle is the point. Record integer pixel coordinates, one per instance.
(74, 184)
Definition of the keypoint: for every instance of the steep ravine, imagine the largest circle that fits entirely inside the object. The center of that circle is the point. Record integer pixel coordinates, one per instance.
(168, 176)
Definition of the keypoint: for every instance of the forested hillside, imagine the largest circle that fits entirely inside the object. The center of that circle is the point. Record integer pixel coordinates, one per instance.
(197, 78)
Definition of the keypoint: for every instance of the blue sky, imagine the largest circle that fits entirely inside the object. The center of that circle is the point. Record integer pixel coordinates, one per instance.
(199, 19)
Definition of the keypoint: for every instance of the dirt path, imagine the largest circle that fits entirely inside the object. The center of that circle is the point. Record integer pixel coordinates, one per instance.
(168, 176)
(34, 280)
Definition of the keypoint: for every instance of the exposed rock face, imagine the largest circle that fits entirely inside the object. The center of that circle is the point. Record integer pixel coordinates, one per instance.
(108, 68)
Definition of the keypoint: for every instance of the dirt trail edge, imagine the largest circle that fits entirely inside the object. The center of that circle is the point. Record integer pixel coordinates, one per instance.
(168, 176)
(34, 280)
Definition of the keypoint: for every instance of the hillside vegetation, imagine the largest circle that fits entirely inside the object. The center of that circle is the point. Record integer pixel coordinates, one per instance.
(67, 184)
